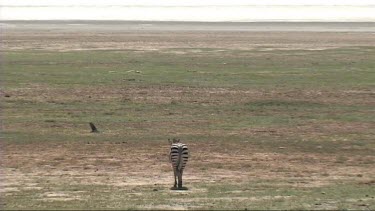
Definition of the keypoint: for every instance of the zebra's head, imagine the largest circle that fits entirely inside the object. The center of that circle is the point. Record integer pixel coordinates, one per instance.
(173, 141)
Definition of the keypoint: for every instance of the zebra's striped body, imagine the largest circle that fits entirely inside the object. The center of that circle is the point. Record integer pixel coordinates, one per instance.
(179, 156)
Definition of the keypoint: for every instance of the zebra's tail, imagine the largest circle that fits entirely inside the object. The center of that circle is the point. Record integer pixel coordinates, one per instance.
(179, 160)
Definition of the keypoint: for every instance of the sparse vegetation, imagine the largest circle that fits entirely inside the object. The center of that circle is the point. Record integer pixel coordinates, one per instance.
(275, 129)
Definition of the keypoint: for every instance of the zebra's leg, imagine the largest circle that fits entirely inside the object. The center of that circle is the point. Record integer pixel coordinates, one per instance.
(179, 173)
(175, 178)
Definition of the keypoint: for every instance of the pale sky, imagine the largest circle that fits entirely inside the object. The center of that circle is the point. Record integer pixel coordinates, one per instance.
(190, 10)
(187, 2)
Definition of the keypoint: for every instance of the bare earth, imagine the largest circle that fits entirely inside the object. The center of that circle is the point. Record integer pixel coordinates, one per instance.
(155, 36)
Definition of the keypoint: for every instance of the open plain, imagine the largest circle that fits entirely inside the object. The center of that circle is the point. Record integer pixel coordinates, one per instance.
(275, 117)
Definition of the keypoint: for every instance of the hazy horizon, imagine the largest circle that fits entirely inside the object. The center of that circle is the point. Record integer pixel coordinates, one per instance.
(192, 10)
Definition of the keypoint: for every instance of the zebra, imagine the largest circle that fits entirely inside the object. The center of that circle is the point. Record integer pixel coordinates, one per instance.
(178, 156)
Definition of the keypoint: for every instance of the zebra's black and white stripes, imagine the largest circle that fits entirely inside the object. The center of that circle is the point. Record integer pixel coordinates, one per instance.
(179, 156)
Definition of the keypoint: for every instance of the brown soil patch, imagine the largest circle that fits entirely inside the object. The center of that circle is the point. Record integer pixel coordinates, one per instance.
(164, 94)
(130, 165)
(179, 42)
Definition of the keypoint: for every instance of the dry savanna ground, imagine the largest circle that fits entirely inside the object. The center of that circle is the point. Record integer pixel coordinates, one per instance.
(273, 119)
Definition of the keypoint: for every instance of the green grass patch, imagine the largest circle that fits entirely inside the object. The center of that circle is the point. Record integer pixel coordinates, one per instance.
(315, 103)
